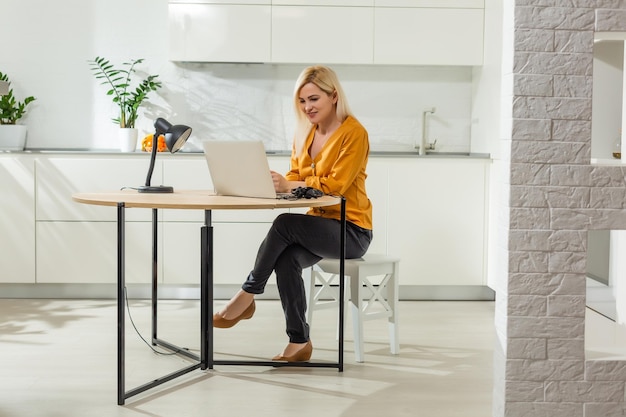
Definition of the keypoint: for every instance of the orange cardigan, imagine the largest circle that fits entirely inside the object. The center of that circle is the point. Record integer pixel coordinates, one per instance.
(339, 169)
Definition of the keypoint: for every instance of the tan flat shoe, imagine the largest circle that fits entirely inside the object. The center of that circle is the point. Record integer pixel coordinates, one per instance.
(303, 355)
(222, 323)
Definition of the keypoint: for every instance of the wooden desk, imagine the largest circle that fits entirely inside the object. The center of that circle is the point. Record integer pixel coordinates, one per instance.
(195, 200)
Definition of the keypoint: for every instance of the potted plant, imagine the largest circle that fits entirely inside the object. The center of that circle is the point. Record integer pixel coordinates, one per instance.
(124, 95)
(12, 135)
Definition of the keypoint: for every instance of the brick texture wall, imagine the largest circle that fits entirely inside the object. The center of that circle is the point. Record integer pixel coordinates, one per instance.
(551, 197)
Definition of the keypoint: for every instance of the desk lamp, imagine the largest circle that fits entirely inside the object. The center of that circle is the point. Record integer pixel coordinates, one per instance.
(175, 138)
(4, 88)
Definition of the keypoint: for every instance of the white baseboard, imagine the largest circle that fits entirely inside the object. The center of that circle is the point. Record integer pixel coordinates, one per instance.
(221, 292)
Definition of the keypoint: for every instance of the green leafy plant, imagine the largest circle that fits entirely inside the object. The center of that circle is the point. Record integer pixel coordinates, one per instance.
(12, 110)
(119, 81)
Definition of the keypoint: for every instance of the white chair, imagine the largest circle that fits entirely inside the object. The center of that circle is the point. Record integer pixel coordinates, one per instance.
(372, 293)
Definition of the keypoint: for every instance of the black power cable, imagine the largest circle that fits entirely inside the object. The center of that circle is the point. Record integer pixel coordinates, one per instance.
(142, 338)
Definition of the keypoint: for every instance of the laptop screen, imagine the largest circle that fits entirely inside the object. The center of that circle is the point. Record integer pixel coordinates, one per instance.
(239, 168)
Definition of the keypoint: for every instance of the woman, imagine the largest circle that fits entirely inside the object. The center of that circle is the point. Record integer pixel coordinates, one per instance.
(330, 153)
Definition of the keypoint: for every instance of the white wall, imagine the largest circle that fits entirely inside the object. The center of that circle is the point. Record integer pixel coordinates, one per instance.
(606, 120)
(50, 43)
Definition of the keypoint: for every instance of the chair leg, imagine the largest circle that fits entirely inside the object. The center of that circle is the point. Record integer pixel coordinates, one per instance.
(322, 296)
(308, 275)
(346, 301)
(394, 334)
(385, 293)
(356, 303)
(393, 300)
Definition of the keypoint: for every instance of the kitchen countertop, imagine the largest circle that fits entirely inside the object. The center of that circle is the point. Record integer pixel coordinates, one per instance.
(374, 154)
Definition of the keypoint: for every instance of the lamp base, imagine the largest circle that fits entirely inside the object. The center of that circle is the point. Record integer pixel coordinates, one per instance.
(155, 189)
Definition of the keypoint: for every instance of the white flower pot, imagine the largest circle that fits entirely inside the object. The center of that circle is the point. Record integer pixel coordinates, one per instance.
(12, 137)
(128, 139)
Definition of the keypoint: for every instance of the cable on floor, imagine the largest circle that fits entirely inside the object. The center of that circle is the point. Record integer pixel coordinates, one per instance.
(142, 338)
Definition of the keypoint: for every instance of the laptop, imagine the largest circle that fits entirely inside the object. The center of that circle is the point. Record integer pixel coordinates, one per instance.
(240, 168)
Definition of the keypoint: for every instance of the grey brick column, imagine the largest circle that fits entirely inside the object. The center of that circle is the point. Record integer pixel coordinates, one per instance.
(551, 196)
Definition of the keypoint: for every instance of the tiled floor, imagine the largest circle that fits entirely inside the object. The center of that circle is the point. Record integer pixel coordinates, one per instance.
(58, 360)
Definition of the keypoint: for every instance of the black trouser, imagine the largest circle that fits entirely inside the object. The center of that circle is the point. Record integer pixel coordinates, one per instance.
(294, 242)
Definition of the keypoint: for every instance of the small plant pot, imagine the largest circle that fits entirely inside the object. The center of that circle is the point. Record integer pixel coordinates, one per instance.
(128, 139)
(12, 137)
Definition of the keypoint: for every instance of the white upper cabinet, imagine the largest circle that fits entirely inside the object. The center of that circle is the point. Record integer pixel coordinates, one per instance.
(219, 32)
(459, 4)
(337, 3)
(428, 36)
(267, 2)
(389, 32)
(332, 35)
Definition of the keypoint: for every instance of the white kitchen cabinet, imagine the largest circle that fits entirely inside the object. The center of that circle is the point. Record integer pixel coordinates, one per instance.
(458, 4)
(17, 220)
(235, 249)
(219, 32)
(86, 252)
(377, 186)
(237, 233)
(428, 36)
(76, 243)
(437, 212)
(60, 177)
(334, 3)
(430, 212)
(313, 34)
(221, 1)
(193, 174)
(390, 32)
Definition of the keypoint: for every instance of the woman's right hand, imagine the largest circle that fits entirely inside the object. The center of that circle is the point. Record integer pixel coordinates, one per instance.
(281, 185)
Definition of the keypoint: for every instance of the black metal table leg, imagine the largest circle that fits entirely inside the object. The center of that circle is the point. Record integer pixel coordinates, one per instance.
(342, 284)
(206, 358)
(206, 292)
(155, 283)
(122, 394)
(121, 267)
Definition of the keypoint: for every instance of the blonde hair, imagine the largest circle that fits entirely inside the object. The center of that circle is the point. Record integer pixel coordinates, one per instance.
(326, 80)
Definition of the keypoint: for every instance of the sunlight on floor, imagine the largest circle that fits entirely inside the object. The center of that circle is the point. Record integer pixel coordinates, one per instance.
(60, 360)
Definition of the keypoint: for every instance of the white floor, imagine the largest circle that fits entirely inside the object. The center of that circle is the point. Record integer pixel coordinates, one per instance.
(59, 360)
(601, 298)
(604, 338)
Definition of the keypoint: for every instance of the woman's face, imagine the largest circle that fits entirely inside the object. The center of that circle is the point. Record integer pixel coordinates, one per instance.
(316, 104)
